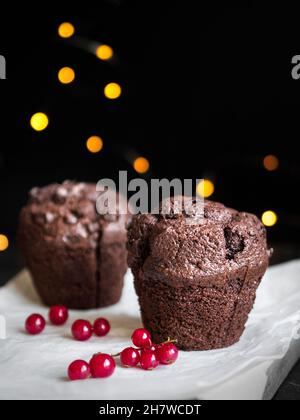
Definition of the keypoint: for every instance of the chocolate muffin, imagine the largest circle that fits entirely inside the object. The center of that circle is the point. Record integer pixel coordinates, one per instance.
(76, 256)
(196, 273)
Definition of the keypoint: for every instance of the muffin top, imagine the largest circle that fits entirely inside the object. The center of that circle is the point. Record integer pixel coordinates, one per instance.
(204, 244)
(66, 213)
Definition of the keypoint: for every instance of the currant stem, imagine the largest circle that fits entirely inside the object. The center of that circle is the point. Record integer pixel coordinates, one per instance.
(169, 341)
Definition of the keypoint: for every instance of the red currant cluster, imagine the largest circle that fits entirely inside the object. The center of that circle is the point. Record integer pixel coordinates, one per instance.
(147, 355)
(81, 329)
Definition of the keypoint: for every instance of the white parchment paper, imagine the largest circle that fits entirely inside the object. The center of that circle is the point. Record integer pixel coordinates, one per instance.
(34, 367)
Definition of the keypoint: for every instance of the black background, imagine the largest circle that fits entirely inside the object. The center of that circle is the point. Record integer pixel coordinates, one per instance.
(207, 92)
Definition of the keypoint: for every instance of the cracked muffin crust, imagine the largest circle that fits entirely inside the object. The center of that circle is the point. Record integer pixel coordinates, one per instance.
(196, 282)
(76, 257)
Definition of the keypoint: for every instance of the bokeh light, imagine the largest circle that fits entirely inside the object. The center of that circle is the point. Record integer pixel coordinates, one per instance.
(271, 162)
(112, 90)
(66, 30)
(94, 144)
(66, 75)
(269, 218)
(205, 188)
(104, 52)
(4, 243)
(39, 121)
(141, 165)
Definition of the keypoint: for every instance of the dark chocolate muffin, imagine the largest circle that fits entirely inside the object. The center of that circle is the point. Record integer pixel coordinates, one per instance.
(76, 257)
(196, 277)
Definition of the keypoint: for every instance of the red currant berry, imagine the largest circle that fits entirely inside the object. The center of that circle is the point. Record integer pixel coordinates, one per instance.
(148, 360)
(101, 327)
(35, 324)
(141, 338)
(81, 330)
(102, 365)
(167, 353)
(79, 369)
(58, 314)
(130, 357)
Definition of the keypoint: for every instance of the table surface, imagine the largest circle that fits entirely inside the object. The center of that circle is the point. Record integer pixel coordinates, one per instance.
(11, 263)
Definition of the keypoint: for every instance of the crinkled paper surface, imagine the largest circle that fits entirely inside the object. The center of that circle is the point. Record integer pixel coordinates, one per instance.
(34, 367)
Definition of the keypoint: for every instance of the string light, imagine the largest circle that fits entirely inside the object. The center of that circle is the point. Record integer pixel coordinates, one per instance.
(271, 162)
(269, 218)
(141, 165)
(94, 144)
(4, 243)
(39, 121)
(112, 90)
(205, 188)
(104, 52)
(66, 75)
(66, 30)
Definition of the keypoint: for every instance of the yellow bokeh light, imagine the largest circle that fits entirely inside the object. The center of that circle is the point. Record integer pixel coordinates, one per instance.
(141, 165)
(205, 188)
(66, 30)
(94, 144)
(39, 121)
(4, 243)
(104, 52)
(269, 218)
(66, 75)
(112, 90)
(271, 162)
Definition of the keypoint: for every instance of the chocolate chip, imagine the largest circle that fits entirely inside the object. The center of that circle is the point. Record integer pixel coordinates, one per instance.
(81, 231)
(70, 219)
(50, 217)
(60, 195)
(234, 243)
(35, 195)
(34, 192)
(73, 239)
(78, 189)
